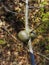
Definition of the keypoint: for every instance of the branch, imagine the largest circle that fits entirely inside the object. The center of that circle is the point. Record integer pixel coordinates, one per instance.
(40, 54)
(43, 56)
(5, 29)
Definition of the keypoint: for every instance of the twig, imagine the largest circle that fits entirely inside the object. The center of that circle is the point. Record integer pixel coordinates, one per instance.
(42, 55)
(10, 11)
(5, 29)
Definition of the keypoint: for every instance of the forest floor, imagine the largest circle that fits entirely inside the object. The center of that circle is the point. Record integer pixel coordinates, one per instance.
(12, 50)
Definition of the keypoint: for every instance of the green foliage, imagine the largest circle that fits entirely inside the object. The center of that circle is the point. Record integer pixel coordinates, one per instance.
(47, 44)
(42, 43)
(42, 9)
(45, 20)
(2, 41)
(47, 47)
(42, 4)
(47, 39)
(41, 29)
(45, 17)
